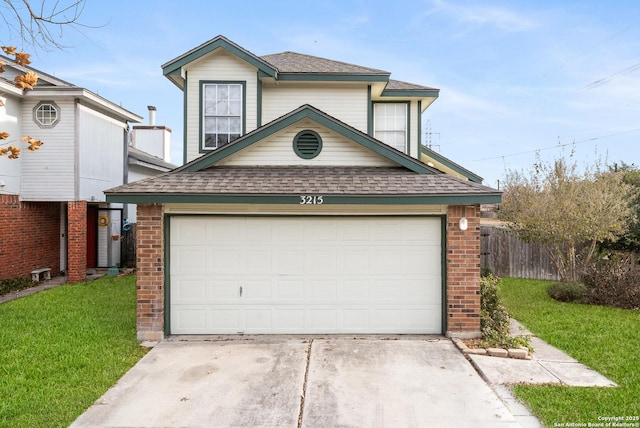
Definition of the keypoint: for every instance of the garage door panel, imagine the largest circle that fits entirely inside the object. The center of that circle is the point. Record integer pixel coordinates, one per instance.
(192, 290)
(323, 261)
(187, 260)
(351, 291)
(256, 261)
(305, 275)
(290, 290)
(353, 260)
(223, 261)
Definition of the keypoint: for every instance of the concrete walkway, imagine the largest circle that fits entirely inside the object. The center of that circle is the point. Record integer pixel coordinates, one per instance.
(548, 365)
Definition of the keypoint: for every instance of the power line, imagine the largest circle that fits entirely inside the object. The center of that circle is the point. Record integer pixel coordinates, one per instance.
(607, 79)
(558, 145)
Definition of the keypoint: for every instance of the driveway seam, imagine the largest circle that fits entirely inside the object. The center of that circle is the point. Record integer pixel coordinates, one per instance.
(304, 384)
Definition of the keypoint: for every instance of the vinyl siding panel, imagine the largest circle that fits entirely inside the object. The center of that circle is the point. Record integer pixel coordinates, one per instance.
(218, 66)
(10, 168)
(49, 173)
(278, 150)
(344, 101)
(101, 153)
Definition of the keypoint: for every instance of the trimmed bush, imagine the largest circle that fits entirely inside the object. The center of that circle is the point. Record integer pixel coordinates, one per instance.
(568, 292)
(494, 318)
(614, 281)
(15, 284)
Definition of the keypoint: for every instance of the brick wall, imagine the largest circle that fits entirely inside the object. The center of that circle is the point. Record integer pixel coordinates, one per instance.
(77, 241)
(150, 272)
(29, 237)
(463, 272)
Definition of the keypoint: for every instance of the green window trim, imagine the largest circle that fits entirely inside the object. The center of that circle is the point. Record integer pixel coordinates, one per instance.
(407, 131)
(307, 144)
(243, 109)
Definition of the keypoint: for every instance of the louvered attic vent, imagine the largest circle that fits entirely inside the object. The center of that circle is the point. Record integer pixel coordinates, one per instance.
(307, 144)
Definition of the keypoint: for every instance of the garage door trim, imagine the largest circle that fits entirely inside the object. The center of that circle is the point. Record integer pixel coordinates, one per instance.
(167, 247)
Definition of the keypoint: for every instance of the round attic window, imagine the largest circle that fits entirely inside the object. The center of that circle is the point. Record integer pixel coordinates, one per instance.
(307, 144)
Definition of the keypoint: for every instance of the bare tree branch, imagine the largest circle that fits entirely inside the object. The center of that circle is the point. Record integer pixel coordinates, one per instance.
(42, 24)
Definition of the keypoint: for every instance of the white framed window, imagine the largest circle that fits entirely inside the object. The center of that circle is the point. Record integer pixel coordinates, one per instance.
(390, 124)
(46, 114)
(222, 114)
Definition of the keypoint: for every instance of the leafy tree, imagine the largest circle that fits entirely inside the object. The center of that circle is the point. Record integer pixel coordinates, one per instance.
(630, 241)
(567, 211)
(37, 25)
(24, 82)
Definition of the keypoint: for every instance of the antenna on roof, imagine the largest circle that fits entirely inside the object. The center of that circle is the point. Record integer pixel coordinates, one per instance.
(428, 134)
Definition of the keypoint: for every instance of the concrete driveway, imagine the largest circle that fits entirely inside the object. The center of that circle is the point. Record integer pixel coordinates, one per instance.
(290, 382)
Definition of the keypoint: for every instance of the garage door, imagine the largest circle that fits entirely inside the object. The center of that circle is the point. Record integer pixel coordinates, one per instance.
(288, 275)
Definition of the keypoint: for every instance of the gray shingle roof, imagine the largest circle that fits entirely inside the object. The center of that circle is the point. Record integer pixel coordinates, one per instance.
(285, 180)
(292, 62)
(406, 86)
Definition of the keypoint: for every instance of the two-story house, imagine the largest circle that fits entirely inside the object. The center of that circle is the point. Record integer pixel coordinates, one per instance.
(53, 212)
(307, 204)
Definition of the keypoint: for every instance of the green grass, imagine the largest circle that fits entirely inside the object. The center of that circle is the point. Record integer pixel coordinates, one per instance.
(605, 339)
(61, 349)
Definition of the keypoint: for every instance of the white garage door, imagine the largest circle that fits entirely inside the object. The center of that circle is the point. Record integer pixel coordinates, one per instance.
(284, 275)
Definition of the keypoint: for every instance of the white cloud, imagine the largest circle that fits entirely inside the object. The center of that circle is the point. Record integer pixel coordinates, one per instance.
(482, 15)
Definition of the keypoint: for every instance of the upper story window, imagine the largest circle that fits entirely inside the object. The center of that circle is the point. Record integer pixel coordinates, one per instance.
(390, 124)
(46, 114)
(222, 114)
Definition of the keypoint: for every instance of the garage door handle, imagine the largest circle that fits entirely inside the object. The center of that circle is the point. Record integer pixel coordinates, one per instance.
(240, 291)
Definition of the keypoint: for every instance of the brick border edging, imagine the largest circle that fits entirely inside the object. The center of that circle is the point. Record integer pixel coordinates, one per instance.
(516, 353)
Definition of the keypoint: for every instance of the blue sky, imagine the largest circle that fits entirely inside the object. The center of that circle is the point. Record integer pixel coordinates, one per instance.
(514, 76)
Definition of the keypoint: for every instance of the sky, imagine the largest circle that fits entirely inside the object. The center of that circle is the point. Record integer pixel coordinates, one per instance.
(519, 80)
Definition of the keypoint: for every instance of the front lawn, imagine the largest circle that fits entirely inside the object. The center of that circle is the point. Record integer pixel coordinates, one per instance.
(605, 339)
(61, 349)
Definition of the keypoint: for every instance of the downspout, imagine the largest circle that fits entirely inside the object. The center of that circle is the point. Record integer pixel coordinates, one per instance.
(76, 150)
(125, 168)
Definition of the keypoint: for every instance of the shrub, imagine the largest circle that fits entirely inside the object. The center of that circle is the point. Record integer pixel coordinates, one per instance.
(568, 292)
(494, 318)
(614, 281)
(15, 284)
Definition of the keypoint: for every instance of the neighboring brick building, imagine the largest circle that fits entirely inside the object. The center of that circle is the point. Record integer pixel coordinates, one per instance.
(53, 212)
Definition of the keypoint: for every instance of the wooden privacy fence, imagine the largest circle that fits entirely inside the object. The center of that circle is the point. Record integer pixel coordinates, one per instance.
(505, 255)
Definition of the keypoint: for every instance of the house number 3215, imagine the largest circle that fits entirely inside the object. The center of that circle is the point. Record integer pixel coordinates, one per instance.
(311, 200)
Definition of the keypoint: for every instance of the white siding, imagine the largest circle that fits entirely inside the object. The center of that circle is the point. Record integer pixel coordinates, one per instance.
(10, 168)
(155, 141)
(48, 174)
(346, 102)
(101, 153)
(218, 66)
(278, 150)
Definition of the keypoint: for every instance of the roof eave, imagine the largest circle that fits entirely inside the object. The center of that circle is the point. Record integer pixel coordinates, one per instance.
(284, 199)
(452, 165)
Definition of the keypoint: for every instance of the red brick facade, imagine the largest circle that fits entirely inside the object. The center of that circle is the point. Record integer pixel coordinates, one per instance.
(463, 272)
(150, 272)
(77, 239)
(29, 237)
